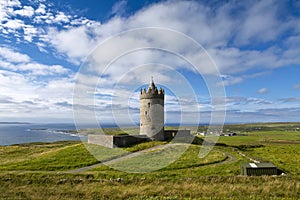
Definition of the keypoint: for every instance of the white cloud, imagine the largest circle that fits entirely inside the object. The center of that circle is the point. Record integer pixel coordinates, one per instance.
(28, 99)
(243, 105)
(20, 90)
(291, 99)
(13, 56)
(24, 23)
(19, 62)
(221, 28)
(75, 42)
(189, 17)
(260, 23)
(14, 24)
(119, 8)
(230, 80)
(41, 9)
(40, 19)
(25, 96)
(40, 69)
(26, 11)
(296, 87)
(6, 8)
(287, 114)
(236, 100)
(11, 3)
(61, 17)
(262, 91)
(30, 32)
(35, 69)
(211, 28)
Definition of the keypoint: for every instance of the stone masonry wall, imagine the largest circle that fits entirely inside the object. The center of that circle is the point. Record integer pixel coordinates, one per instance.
(112, 141)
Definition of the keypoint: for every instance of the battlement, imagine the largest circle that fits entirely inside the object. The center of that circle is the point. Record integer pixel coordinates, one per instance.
(150, 93)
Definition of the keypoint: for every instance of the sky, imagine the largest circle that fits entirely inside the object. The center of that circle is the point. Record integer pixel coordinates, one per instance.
(66, 60)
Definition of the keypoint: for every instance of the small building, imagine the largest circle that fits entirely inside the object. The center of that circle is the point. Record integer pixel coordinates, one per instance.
(201, 133)
(259, 169)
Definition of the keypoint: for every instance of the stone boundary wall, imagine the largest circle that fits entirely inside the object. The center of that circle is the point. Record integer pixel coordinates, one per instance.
(180, 134)
(112, 141)
(103, 140)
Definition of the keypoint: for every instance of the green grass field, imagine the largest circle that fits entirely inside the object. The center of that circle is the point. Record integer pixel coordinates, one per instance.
(43, 170)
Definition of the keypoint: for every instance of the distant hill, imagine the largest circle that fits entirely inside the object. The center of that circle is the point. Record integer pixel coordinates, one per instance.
(15, 123)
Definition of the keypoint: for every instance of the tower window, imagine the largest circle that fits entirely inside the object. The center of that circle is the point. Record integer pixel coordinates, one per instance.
(145, 112)
(149, 105)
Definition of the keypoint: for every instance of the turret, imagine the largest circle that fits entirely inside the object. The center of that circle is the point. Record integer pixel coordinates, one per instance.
(152, 112)
(152, 92)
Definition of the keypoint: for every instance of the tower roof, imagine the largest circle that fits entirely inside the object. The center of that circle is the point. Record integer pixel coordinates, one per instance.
(152, 92)
(152, 85)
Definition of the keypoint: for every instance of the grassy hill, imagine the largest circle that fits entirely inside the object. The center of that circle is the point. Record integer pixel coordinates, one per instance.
(46, 170)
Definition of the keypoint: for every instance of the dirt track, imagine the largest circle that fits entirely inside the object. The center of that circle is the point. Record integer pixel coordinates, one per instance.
(229, 158)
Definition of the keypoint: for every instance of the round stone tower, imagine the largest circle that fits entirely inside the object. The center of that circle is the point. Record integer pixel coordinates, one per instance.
(152, 112)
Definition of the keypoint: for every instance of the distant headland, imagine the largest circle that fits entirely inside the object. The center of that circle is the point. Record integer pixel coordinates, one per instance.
(15, 123)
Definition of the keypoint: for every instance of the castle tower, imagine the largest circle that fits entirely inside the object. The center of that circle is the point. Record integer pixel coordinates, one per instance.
(152, 112)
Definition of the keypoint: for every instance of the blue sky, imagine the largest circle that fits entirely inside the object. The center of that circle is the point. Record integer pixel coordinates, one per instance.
(44, 45)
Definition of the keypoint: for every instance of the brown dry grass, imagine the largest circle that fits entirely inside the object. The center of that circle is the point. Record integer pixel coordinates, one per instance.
(63, 186)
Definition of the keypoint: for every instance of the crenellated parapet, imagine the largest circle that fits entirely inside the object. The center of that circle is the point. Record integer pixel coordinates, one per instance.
(152, 93)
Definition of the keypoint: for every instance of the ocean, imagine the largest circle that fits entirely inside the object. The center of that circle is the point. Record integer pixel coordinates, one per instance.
(18, 133)
(26, 133)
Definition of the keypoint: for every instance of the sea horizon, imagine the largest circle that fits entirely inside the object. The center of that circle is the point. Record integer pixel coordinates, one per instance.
(21, 133)
(26, 132)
